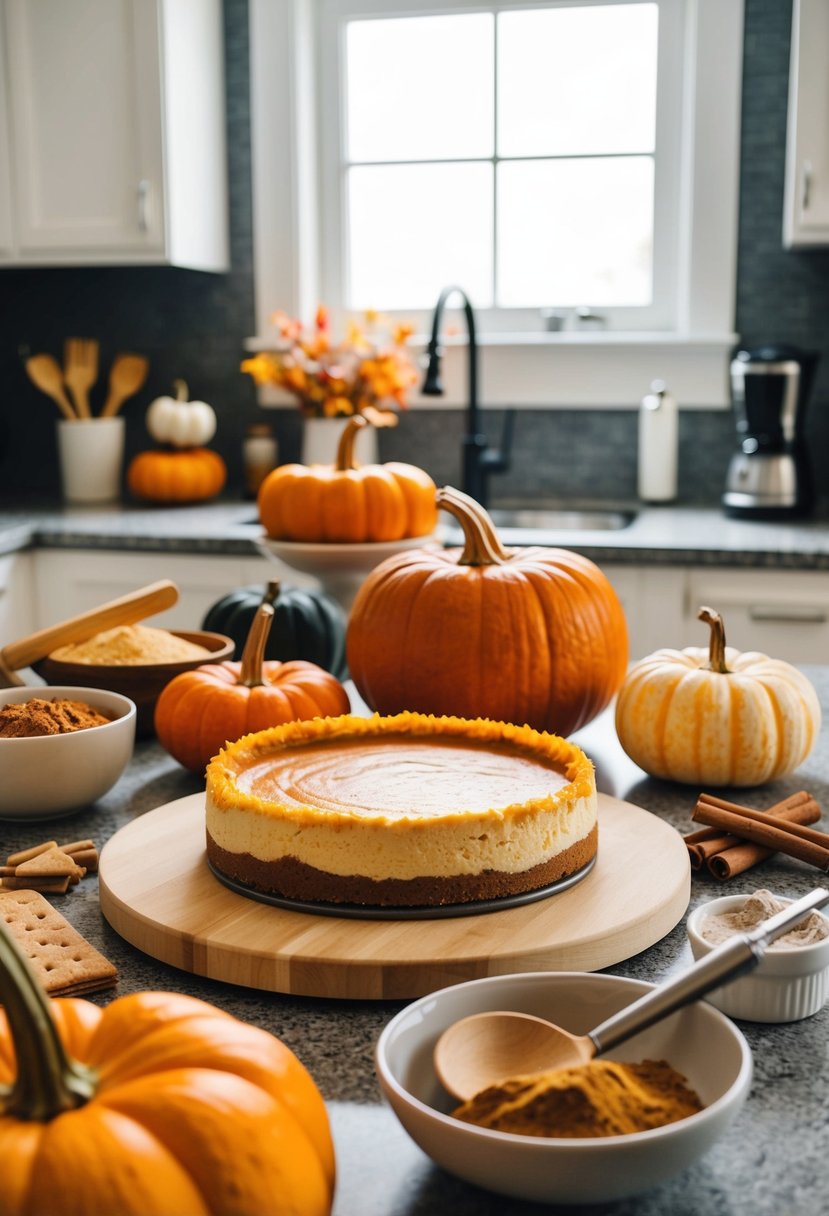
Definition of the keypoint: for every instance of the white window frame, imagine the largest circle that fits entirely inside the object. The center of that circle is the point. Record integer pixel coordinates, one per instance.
(604, 369)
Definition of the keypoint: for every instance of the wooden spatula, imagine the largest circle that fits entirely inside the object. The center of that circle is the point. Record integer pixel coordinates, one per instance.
(44, 372)
(126, 376)
(126, 610)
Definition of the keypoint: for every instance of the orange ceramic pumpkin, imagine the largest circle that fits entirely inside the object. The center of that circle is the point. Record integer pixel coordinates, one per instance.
(202, 709)
(158, 1105)
(188, 475)
(532, 636)
(345, 502)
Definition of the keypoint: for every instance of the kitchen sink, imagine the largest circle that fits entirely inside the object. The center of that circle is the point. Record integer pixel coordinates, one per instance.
(561, 520)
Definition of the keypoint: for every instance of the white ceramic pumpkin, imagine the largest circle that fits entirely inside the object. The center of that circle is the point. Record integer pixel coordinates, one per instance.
(183, 423)
(716, 716)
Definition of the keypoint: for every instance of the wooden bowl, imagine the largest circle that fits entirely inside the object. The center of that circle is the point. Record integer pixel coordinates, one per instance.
(141, 682)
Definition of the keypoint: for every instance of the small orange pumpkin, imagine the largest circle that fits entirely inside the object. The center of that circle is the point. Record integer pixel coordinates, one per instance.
(201, 710)
(532, 636)
(188, 475)
(158, 1105)
(345, 502)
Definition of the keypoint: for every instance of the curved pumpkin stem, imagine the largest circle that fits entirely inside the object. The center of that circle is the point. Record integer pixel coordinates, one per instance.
(48, 1081)
(345, 448)
(481, 544)
(716, 643)
(250, 673)
(181, 390)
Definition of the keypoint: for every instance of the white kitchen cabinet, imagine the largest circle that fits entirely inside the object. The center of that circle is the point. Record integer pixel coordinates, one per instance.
(112, 121)
(17, 601)
(781, 613)
(70, 581)
(653, 598)
(806, 195)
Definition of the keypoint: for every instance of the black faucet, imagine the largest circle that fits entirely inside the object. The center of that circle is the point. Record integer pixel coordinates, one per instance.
(479, 459)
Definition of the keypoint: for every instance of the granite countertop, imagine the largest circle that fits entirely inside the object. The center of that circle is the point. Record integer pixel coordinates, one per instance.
(672, 535)
(773, 1160)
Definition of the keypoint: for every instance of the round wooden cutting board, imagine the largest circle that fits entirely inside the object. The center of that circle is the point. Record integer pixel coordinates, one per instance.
(158, 892)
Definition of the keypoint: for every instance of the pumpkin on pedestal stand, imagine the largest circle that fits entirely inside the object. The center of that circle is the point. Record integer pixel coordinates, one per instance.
(534, 636)
(158, 1105)
(347, 503)
(185, 471)
(202, 709)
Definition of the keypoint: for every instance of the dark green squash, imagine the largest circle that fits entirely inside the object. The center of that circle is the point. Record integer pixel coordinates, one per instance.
(306, 625)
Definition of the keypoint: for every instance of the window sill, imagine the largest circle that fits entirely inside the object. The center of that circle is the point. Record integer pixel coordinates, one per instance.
(573, 369)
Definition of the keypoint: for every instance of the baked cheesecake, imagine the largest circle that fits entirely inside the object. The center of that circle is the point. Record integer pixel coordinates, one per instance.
(400, 811)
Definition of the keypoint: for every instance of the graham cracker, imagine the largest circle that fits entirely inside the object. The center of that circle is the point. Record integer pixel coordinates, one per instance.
(63, 960)
(54, 863)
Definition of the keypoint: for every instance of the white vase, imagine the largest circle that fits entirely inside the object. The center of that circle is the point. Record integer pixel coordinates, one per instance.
(321, 437)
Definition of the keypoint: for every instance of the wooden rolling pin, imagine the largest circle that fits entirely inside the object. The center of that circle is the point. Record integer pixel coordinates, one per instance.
(126, 610)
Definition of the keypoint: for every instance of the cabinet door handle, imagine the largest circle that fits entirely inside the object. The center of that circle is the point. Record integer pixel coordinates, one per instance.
(143, 200)
(797, 616)
(806, 185)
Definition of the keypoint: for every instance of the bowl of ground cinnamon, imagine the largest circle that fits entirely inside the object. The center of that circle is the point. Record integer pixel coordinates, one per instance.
(134, 660)
(601, 1132)
(61, 748)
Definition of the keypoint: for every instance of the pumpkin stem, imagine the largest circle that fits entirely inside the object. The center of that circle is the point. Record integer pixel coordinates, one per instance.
(345, 448)
(48, 1081)
(716, 643)
(181, 390)
(250, 673)
(481, 544)
(271, 591)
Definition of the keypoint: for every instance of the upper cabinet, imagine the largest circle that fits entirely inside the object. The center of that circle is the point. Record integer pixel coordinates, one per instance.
(806, 199)
(112, 133)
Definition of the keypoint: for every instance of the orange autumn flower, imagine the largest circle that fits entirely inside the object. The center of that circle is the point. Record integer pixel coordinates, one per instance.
(368, 371)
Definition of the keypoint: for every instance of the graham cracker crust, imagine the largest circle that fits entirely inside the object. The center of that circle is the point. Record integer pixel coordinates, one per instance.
(292, 879)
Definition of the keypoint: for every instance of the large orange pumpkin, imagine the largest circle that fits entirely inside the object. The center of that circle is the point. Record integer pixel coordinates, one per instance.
(202, 709)
(345, 502)
(158, 1105)
(532, 636)
(190, 475)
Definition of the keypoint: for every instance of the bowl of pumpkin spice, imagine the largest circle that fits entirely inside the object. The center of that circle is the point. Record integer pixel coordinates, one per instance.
(134, 660)
(61, 748)
(595, 1133)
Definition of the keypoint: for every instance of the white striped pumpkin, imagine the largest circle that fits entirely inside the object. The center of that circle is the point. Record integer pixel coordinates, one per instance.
(716, 716)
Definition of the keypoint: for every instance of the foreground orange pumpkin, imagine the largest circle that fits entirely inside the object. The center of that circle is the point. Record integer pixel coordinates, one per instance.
(158, 1105)
(345, 502)
(532, 636)
(189, 475)
(201, 710)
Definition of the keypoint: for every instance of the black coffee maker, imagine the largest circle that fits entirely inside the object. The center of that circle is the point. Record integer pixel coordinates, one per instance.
(769, 476)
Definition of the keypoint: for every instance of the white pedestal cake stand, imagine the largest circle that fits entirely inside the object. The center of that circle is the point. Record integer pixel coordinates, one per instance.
(340, 568)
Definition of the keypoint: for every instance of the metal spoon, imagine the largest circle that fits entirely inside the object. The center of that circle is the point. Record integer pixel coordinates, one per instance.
(487, 1048)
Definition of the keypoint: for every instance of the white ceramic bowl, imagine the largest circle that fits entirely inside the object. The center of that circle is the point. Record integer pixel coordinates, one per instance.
(51, 775)
(786, 986)
(698, 1041)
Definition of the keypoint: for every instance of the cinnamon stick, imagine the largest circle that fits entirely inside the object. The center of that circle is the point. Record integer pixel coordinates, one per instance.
(708, 843)
(792, 839)
(742, 855)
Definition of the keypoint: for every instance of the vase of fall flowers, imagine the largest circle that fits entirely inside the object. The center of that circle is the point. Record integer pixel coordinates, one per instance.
(368, 372)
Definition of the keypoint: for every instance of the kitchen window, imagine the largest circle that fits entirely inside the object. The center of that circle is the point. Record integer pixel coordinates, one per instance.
(572, 165)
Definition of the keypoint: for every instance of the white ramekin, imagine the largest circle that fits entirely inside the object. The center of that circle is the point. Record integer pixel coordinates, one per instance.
(787, 985)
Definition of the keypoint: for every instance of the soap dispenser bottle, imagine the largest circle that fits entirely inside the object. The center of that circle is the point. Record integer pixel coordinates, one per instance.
(658, 442)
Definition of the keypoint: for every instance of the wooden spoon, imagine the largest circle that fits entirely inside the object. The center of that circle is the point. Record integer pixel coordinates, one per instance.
(44, 372)
(125, 610)
(487, 1048)
(126, 376)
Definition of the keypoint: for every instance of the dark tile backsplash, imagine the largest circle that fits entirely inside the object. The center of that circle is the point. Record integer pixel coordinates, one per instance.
(193, 325)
